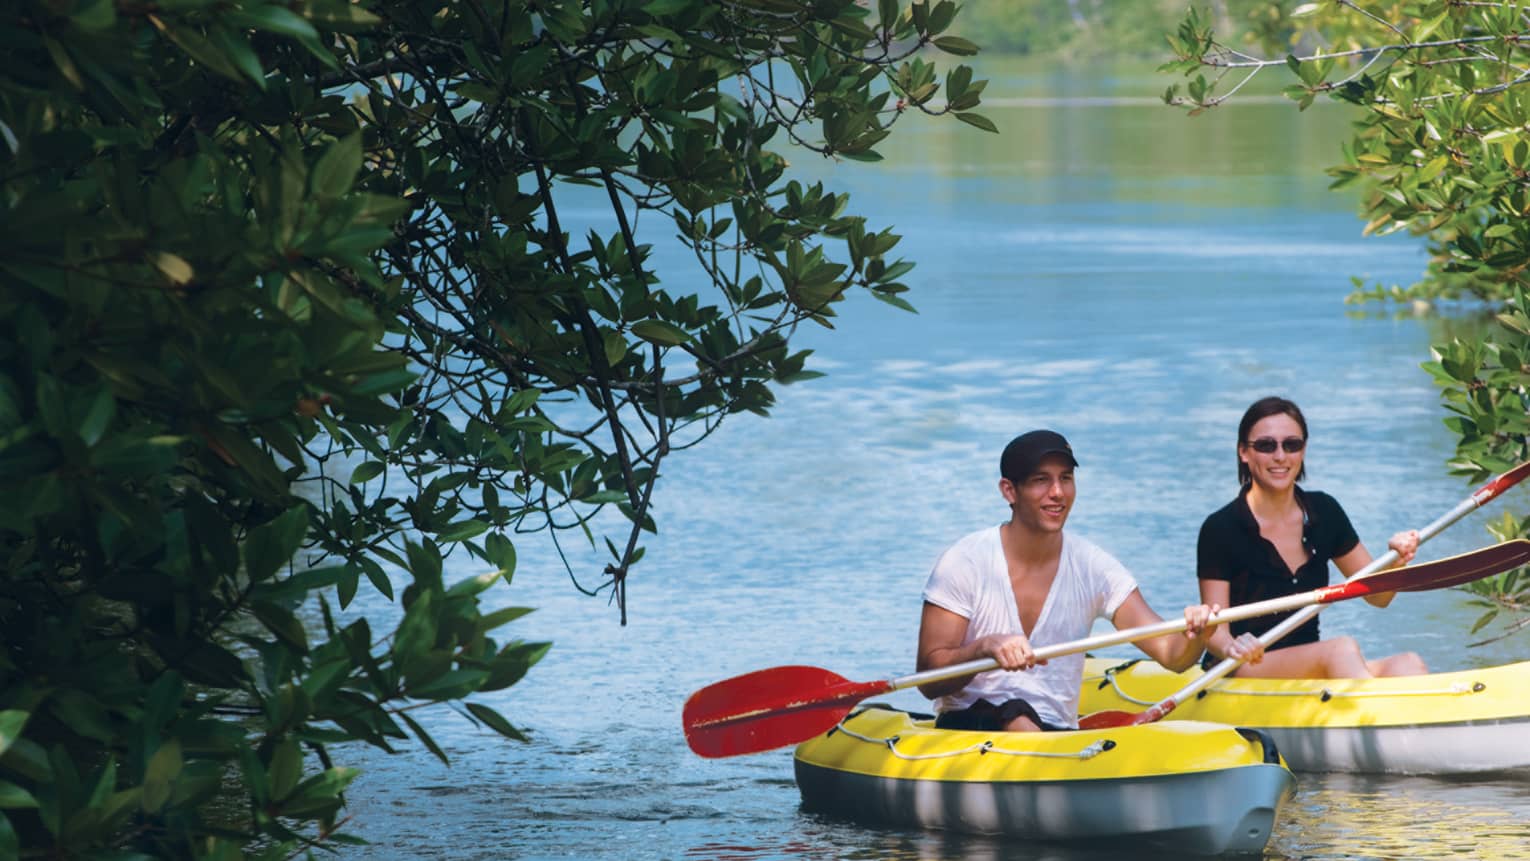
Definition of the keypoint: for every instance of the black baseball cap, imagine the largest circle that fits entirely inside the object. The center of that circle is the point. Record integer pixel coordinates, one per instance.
(1024, 453)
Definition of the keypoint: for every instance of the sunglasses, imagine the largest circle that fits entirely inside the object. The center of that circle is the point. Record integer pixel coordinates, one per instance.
(1267, 445)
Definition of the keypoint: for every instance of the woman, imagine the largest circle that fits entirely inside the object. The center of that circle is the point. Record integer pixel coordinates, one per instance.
(1276, 539)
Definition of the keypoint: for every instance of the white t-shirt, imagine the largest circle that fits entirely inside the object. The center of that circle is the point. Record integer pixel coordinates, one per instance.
(971, 579)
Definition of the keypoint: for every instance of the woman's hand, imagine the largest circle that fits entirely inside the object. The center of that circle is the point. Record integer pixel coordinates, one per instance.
(1404, 544)
(1245, 648)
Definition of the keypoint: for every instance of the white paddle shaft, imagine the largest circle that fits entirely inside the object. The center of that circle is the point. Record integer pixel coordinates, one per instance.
(1115, 638)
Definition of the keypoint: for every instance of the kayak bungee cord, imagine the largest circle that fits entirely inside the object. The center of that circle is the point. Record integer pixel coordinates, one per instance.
(1094, 749)
(1112, 679)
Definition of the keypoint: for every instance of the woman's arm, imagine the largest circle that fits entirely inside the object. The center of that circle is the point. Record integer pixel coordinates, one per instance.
(1405, 544)
(1222, 644)
(1218, 593)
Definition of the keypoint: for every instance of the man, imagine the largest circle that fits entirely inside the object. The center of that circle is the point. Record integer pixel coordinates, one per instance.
(1001, 591)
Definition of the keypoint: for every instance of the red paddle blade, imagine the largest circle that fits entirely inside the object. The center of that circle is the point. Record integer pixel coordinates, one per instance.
(1439, 574)
(1112, 718)
(1108, 719)
(1501, 562)
(770, 708)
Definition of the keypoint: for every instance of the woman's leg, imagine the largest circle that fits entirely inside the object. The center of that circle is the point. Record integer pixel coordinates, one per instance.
(1338, 658)
(1404, 664)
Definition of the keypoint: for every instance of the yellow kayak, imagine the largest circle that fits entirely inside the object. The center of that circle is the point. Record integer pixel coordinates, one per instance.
(1184, 786)
(1441, 723)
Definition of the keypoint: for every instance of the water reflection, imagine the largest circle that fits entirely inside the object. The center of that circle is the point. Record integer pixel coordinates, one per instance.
(1333, 817)
(1345, 816)
(831, 840)
(828, 838)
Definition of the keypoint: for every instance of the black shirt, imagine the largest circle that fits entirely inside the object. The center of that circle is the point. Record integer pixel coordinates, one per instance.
(1230, 548)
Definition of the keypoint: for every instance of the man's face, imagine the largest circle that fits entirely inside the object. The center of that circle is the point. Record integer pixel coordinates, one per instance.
(1042, 500)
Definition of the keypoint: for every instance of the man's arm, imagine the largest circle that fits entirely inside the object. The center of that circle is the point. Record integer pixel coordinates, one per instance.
(940, 645)
(1175, 651)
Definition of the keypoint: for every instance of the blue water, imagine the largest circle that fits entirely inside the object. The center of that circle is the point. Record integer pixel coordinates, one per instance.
(1107, 268)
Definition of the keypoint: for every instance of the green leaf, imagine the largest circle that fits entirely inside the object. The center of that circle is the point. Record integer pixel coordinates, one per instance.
(869, 155)
(366, 472)
(501, 552)
(490, 621)
(661, 8)
(273, 544)
(462, 530)
(1427, 28)
(956, 45)
(341, 15)
(282, 623)
(660, 332)
(102, 409)
(1433, 169)
(65, 64)
(978, 120)
(615, 347)
(473, 585)
(319, 795)
(495, 721)
(12, 721)
(10, 844)
(1483, 620)
(424, 737)
(274, 19)
(254, 773)
(450, 685)
(424, 562)
(159, 778)
(416, 634)
(198, 48)
(941, 16)
(236, 48)
(512, 663)
(336, 170)
(94, 15)
(520, 402)
(13, 797)
(285, 769)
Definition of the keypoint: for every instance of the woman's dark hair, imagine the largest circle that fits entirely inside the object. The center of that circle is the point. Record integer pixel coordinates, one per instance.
(1263, 409)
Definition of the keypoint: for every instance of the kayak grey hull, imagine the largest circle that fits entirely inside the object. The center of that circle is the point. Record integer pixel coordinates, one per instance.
(1461, 748)
(1205, 813)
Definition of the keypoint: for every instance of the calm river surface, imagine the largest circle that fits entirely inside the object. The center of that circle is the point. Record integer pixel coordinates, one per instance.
(1106, 267)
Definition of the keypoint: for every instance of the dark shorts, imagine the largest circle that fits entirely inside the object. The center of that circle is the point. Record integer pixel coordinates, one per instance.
(984, 716)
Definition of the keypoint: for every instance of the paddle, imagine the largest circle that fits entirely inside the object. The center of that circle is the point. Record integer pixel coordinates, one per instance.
(770, 708)
(1480, 497)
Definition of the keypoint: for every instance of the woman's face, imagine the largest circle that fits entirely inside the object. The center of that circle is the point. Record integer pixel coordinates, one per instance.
(1276, 469)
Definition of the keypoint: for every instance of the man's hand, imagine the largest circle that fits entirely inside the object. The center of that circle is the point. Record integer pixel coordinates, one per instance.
(1011, 651)
(1196, 618)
